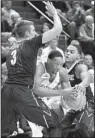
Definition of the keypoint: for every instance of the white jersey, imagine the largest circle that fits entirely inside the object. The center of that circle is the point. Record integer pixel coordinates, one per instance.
(55, 100)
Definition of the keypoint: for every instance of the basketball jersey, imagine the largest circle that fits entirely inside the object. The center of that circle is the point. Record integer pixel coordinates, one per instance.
(80, 101)
(74, 80)
(21, 61)
(50, 101)
(71, 74)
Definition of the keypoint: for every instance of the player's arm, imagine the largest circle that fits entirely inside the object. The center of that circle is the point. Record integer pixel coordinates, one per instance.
(46, 91)
(83, 74)
(57, 28)
(64, 78)
(65, 82)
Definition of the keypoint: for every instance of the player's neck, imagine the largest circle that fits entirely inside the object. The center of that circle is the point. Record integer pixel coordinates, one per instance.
(70, 64)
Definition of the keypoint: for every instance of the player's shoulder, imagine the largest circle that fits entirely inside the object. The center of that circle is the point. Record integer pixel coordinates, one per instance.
(81, 66)
(40, 65)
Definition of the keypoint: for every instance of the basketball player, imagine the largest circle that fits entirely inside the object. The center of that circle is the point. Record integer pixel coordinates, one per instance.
(78, 75)
(50, 79)
(21, 65)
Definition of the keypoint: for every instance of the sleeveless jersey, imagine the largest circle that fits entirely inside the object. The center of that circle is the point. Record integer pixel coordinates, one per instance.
(74, 81)
(80, 101)
(55, 100)
(72, 77)
(21, 62)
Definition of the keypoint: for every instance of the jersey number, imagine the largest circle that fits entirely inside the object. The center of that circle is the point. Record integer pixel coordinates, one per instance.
(13, 61)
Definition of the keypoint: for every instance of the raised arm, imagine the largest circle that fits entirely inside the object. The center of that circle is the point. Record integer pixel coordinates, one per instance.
(57, 28)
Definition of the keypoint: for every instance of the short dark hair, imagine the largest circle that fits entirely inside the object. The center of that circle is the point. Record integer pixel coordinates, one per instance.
(21, 27)
(76, 44)
(54, 54)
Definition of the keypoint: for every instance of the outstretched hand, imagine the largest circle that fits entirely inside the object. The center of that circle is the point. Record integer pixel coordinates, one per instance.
(51, 10)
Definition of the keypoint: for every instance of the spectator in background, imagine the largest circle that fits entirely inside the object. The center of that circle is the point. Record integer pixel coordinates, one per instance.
(68, 5)
(15, 16)
(4, 24)
(46, 26)
(53, 45)
(91, 10)
(86, 36)
(86, 31)
(76, 16)
(88, 60)
(7, 11)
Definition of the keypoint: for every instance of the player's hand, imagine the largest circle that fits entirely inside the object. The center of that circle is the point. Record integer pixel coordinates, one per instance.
(80, 88)
(51, 11)
(71, 91)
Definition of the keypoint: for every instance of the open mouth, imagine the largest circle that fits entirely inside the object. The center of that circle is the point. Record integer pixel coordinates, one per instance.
(66, 57)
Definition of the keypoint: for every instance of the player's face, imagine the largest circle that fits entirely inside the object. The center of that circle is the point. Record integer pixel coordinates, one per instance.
(32, 32)
(57, 63)
(88, 60)
(71, 54)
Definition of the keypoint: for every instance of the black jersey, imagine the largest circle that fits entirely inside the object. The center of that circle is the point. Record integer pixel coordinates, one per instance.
(74, 81)
(72, 76)
(21, 61)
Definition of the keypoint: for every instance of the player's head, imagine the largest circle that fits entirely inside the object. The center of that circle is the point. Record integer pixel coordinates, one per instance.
(24, 29)
(73, 52)
(55, 59)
